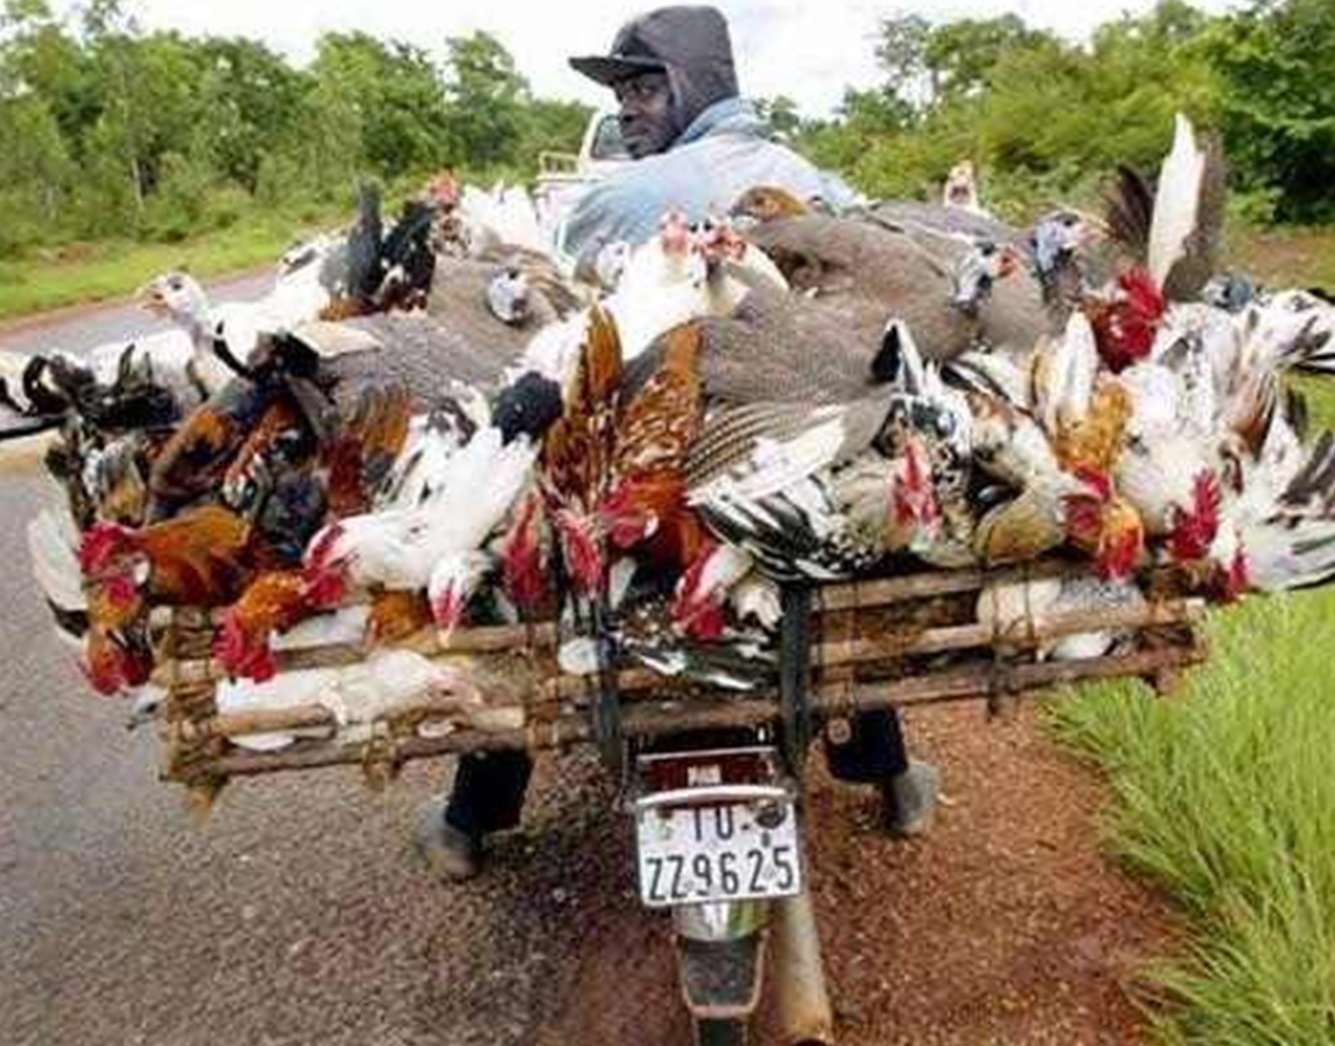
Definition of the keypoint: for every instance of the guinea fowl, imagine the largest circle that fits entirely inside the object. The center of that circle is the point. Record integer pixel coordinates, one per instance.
(497, 305)
(846, 260)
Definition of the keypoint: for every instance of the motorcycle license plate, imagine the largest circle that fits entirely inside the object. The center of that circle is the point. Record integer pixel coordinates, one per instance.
(728, 852)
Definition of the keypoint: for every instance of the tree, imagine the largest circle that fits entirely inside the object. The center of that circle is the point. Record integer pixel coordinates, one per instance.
(374, 105)
(487, 97)
(1276, 59)
(960, 55)
(902, 52)
(247, 107)
(780, 112)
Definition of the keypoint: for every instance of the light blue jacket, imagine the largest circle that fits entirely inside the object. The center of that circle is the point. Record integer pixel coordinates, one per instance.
(725, 151)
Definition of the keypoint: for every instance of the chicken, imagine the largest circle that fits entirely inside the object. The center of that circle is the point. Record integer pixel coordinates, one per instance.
(525, 556)
(195, 459)
(577, 454)
(395, 615)
(645, 503)
(961, 188)
(360, 456)
(274, 601)
(356, 694)
(680, 275)
(219, 337)
(202, 558)
(808, 491)
(53, 547)
(1013, 607)
(400, 548)
(1085, 413)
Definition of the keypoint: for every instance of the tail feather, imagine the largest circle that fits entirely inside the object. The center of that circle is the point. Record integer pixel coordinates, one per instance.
(365, 271)
(53, 546)
(1200, 259)
(1176, 201)
(1129, 212)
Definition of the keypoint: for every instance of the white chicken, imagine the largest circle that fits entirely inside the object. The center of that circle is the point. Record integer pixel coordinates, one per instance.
(400, 548)
(356, 694)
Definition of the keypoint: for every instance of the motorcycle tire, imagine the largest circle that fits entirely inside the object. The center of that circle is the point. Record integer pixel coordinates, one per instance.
(733, 1032)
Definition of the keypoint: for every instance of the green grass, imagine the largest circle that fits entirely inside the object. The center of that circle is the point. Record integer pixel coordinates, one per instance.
(81, 273)
(1226, 797)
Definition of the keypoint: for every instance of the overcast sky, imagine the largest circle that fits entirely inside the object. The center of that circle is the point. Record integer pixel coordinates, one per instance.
(806, 49)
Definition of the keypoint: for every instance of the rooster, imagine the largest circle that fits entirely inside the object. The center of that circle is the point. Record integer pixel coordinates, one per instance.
(204, 557)
(1085, 412)
(1172, 237)
(577, 454)
(809, 491)
(274, 601)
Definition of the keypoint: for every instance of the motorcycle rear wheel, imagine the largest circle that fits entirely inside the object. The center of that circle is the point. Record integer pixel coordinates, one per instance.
(728, 1032)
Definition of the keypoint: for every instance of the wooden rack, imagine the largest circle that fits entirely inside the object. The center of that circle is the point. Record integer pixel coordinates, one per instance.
(899, 641)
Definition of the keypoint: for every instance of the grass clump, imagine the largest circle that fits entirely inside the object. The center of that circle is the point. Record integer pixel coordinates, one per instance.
(1227, 798)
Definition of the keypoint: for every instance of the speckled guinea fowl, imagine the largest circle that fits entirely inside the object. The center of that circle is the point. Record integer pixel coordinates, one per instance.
(845, 259)
(938, 218)
(421, 352)
(458, 303)
(778, 346)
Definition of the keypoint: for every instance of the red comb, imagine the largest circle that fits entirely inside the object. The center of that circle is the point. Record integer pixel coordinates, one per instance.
(101, 543)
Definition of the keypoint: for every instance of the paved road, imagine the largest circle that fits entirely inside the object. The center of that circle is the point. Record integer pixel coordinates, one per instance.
(81, 328)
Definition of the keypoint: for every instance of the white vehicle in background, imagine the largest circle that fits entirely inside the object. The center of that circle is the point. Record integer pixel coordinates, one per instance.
(564, 177)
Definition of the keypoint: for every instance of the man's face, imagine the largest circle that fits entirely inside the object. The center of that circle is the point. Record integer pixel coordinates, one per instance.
(646, 116)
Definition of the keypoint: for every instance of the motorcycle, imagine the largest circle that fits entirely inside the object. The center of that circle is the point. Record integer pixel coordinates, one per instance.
(718, 832)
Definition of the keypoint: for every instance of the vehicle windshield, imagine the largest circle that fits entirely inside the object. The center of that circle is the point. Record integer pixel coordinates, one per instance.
(607, 143)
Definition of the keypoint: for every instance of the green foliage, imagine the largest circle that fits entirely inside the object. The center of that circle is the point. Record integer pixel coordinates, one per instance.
(1277, 61)
(487, 99)
(1040, 116)
(108, 131)
(111, 131)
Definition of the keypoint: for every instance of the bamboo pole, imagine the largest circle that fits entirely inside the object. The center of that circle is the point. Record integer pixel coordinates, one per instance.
(854, 595)
(665, 718)
(834, 661)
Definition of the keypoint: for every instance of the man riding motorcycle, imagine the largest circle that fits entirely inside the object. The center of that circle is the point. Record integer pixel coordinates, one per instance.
(698, 147)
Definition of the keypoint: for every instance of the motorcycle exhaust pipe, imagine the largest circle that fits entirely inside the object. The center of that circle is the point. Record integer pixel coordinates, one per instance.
(804, 1014)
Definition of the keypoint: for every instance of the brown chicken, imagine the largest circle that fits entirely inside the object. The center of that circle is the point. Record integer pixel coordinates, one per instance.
(273, 602)
(201, 558)
(645, 507)
(577, 453)
(397, 614)
(361, 454)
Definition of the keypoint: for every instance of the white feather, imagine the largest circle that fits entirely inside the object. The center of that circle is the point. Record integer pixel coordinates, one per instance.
(1176, 201)
(53, 546)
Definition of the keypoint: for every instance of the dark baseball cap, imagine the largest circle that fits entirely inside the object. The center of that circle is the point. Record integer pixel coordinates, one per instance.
(680, 36)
